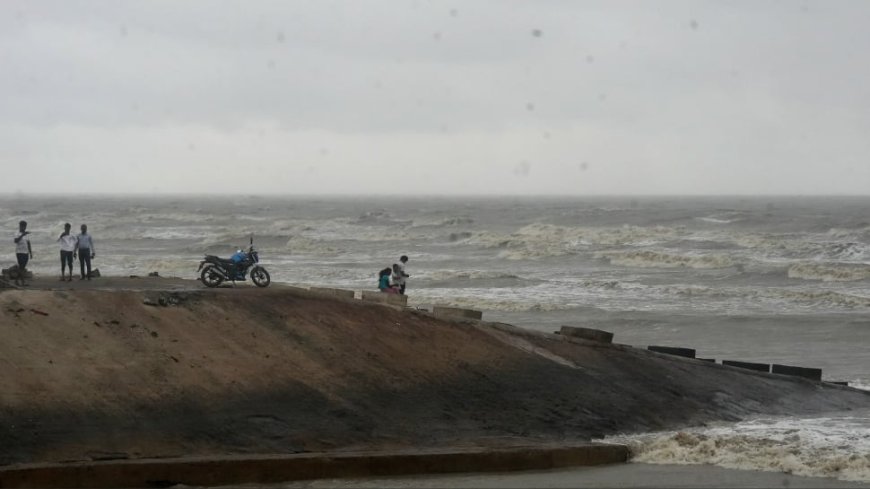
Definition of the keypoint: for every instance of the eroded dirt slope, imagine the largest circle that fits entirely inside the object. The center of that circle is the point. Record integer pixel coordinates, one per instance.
(91, 374)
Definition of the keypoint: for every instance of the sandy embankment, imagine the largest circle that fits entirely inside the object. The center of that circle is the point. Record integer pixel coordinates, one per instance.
(95, 373)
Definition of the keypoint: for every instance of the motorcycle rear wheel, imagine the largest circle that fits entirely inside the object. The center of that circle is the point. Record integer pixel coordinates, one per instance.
(260, 277)
(210, 278)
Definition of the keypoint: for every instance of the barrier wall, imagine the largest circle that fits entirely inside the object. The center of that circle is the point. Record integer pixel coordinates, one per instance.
(347, 294)
(673, 350)
(394, 299)
(586, 334)
(456, 313)
(760, 367)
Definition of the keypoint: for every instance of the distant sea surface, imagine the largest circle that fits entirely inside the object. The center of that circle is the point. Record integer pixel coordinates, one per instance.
(767, 279)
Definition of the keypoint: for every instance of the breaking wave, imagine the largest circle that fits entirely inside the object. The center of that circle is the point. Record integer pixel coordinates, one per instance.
(837, 447)
(493, 303)
(801, 297)
(652, 259)
(829, 272)
(445, 275)
(540, 240)
(826, 298)
(445, 222)
(301, 244)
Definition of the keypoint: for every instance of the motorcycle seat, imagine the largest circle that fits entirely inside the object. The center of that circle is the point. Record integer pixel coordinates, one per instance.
(219, 259)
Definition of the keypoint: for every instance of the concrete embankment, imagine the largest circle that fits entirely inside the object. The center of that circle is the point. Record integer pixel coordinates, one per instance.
(213, 471)
(95, 375)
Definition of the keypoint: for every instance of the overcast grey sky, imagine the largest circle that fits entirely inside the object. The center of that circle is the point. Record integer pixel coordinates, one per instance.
(436, 97)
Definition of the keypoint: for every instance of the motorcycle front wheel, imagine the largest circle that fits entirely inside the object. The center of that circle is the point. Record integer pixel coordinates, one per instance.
(260, 277)
(210, 278)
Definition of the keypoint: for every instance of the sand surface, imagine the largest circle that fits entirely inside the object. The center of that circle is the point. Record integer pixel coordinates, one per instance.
(134, 368)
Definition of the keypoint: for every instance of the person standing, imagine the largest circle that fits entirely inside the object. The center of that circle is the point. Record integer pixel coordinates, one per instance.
(23, 251)
(68, 244)
(399, 274)
(86, 251)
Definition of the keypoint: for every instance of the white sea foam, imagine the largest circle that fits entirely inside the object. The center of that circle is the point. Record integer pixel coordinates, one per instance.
(837, 446)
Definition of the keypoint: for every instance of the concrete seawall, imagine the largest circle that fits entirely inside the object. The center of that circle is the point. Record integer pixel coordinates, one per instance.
(280, 468)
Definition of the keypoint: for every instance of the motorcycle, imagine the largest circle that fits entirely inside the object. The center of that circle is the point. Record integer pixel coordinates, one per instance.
(214, 270)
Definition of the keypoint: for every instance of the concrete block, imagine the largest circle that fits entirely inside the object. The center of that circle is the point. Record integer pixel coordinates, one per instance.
(456, 313)
(346, 294)
(808, 373)
(760, 367)
(587, 334)
(673, 350)
(383, 298)
(838, 382)
(293, 288)
(711, 360)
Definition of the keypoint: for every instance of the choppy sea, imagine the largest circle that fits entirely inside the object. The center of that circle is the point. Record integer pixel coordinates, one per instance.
(769, 279)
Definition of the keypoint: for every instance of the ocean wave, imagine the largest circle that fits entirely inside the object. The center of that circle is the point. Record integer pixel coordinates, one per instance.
(173, 233)
(494, 304)
(185, 217)
(301, 244)
(845, 251)
(715, 220)
(508, 299)
(836, 447)
(829, 272)
(539, 296)
(816, 247)
(445, 275)
(826, 298)
(379, 217)
(539, 240)
(806, 298)
(444, 222)
(654, 259)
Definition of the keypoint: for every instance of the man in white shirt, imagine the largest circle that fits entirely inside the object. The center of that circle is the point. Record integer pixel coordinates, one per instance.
(23, 251)
(400, 273)
(86, 251)
(68, 244)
